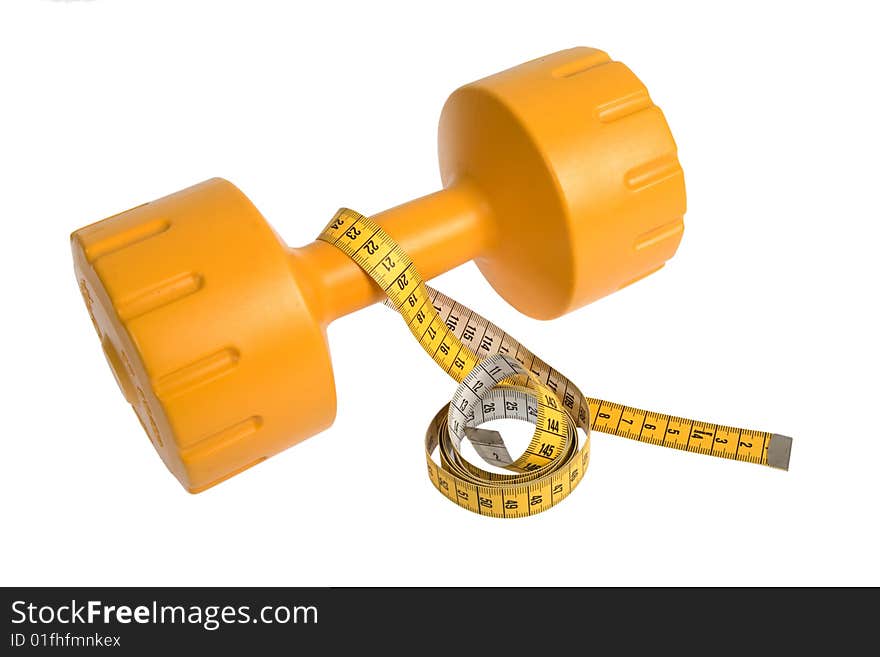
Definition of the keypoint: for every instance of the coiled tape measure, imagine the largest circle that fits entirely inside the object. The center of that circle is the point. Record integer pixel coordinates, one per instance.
(499, 378)
(561, 181)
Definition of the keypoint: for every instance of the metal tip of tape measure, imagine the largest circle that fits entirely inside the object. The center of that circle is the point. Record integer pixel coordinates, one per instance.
(489, 445)
(779, 451)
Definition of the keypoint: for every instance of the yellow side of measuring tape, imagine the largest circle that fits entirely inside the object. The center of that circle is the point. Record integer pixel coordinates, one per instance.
(499, 378)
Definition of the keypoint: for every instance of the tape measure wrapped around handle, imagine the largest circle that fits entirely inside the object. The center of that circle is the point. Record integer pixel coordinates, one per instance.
(499, 378)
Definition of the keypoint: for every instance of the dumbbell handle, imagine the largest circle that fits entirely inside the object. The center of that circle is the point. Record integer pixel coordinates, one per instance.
(439, 232)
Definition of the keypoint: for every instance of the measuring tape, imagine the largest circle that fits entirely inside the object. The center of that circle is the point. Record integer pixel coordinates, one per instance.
(499, 378)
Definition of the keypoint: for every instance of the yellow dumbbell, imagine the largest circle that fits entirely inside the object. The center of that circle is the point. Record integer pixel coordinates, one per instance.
(560, 179)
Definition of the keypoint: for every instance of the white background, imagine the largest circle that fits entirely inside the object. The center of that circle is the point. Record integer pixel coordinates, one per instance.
(765, 318)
